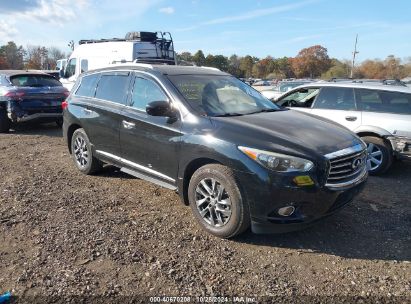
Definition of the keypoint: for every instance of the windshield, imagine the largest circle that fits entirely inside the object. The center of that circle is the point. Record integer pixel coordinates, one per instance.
(287, 86)
(213, 95)
(34, 81)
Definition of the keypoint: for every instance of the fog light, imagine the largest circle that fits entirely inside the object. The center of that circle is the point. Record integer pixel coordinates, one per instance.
(286, 211)
(303, 180)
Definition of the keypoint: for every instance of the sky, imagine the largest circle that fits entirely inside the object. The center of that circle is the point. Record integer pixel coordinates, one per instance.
(259, 28)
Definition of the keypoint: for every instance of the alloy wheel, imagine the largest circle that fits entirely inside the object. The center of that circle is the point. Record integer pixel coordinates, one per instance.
(81, 152)
(375, 156)
(213, 202)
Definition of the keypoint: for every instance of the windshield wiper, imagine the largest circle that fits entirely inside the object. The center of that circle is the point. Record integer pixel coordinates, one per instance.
(263, 110)
(228, 114)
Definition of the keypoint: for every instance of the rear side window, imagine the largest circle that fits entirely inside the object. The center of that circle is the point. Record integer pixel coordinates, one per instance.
(35, 81)
(383, 101)
(335, 99)
(113, 87)
(87, 86)
(144, 92)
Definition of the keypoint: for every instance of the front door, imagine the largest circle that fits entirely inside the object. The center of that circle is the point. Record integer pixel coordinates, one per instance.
(338, 104)
(149, 144)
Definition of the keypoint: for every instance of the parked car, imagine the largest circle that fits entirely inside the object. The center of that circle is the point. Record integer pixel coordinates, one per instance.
(231, 154)
(379, 114)
(93, 54)
(281, 88)
(29, 95)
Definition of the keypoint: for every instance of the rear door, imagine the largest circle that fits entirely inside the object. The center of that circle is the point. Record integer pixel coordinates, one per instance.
(149, 143)
(338, 104)
(101, 99)
(390, 111)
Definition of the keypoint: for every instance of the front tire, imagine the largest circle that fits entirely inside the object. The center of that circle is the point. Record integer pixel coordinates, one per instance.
(82, 153)
(5, 122)
(379, 155)
(216, 201)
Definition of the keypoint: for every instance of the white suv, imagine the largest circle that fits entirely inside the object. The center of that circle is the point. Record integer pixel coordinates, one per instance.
(379, 114)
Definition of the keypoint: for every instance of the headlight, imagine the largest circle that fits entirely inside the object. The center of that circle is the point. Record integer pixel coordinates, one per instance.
(278, 162)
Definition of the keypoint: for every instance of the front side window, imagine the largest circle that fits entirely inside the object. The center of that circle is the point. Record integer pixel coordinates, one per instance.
(301, 98)
(383, 101)
(215, 95)
(87, 86)
(70, 68)
(84, 65)
(334, 98)
(144, 92)
(113, 87)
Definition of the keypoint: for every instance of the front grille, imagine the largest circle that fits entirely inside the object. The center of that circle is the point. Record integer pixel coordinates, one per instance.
(346, 165)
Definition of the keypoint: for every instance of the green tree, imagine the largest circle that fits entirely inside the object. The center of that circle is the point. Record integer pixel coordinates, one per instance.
(12, 56)
(338, 69)
(185, 57)
(246, 66)
(234, 66)
(199, 58)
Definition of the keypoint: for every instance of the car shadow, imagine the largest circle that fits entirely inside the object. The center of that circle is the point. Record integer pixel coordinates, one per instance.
(31, 128)
(376, 226)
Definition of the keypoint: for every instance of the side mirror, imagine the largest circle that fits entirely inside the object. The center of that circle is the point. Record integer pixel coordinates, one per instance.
(160, 108)
(61, 73)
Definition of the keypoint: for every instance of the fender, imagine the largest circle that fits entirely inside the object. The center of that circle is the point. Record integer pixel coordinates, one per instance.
(372, 129)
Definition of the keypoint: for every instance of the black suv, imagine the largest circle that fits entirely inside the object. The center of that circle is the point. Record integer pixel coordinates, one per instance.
(233, 156)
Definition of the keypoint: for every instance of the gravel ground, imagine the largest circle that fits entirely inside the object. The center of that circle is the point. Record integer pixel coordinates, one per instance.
(113, 238)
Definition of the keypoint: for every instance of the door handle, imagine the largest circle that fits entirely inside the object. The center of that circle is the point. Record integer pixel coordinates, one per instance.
(351, 118)
(128, 125)
(87, 111)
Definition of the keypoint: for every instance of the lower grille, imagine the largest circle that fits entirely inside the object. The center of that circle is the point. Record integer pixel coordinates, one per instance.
(346, 165)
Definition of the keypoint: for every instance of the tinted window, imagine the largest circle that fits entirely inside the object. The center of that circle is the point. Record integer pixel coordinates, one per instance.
(70, 68)
(383, 101)
(144, 92)
(34, 81)
(87, 86)
(113, 88)
(335, 99)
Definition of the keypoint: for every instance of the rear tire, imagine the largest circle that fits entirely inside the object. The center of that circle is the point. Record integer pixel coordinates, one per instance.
(82, 153)
(216, 201)
(5, 122)
(379, 155)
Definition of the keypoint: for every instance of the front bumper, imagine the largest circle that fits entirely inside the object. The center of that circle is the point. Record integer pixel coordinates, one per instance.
(311, 203)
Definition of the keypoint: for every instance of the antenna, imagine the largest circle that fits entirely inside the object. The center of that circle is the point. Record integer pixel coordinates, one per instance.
(353, 56)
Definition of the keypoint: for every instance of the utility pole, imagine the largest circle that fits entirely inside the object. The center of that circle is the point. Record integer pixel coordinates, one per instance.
(353, 56)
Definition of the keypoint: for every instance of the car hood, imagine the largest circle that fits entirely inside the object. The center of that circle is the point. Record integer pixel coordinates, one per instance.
(286, 131)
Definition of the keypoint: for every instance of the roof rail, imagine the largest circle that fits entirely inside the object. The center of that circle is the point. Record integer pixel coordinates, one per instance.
(133, 63)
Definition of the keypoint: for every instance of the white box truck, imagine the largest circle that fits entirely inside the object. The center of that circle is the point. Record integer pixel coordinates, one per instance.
(140, 47)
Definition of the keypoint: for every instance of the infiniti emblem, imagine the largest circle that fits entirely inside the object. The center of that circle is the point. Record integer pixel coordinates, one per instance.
(356, 163)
